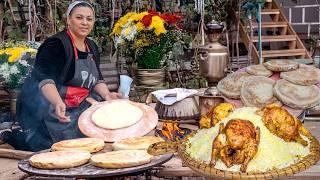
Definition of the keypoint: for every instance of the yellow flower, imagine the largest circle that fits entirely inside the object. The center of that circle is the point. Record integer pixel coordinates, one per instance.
(15, 53)
(158, 25)
(139, 26)
(138, 17)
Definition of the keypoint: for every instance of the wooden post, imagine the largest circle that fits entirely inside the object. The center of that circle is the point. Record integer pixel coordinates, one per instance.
(1, 21)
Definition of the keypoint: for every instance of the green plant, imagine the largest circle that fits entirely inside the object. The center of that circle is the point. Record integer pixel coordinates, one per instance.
(148, 37)
(14, 66)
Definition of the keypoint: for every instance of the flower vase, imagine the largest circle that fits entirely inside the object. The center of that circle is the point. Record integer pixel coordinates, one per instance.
(13, 94)
(151, 78)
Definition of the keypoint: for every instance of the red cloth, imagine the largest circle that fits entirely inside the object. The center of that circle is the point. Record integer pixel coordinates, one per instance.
(75, 95)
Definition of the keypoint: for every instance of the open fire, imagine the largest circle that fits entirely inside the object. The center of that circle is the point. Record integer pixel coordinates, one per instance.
(172, 132)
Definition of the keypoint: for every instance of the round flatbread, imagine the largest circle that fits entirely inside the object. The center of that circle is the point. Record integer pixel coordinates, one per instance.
(135, 143)
(121, 159)
(296, 96)
(59, 159)
(116, 115)
(86, 144)
(257, 91)
(281, 65)
(258, 70)
(302, 76)
(230, 86)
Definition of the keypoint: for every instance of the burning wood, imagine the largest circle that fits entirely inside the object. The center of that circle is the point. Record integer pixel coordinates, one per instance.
(171, 132)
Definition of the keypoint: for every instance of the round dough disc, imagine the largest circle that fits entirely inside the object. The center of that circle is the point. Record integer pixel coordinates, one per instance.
(303, 76)
(59, 159)
(230, 86)
(135, 143)
(258, 70)
(281, 65)
(297, 96)
(116, 115)
(86, 144)
(257, 91)
(121, 159)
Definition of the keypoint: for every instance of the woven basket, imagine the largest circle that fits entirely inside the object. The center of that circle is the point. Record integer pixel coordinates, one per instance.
(209, 171)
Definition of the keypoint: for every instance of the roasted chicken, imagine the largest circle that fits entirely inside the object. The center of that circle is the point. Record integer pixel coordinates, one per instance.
(281, 123)
(237, 143)
(215, 115)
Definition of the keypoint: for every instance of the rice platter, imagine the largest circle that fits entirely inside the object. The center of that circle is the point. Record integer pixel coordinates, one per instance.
(273, 152)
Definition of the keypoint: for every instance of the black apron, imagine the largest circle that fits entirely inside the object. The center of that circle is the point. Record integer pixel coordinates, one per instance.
(74, 93)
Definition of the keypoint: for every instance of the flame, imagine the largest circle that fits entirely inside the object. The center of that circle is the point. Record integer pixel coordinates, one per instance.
(171, 131)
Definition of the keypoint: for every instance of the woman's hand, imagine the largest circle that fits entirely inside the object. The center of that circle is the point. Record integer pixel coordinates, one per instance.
(60, 112)
(112, 96)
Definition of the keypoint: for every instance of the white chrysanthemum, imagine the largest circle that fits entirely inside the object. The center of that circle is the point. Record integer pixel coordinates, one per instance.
(132, 32)
(14, 69)
(118, 40)
(5, 71)
(24, 63)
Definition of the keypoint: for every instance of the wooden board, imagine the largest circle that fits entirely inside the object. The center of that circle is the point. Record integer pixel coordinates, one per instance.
(147, 123)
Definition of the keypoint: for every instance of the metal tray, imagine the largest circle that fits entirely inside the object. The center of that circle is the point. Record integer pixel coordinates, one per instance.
(89, 170)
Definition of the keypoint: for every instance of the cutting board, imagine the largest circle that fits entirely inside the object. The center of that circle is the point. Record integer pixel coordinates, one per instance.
(146, 124)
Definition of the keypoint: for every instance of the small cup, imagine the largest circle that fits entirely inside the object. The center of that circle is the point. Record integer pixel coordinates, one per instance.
(125, 84)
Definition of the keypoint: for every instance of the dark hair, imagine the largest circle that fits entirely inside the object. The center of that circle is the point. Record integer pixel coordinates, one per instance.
(81, 4)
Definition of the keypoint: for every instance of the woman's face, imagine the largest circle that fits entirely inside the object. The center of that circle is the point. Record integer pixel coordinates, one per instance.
(81, 21)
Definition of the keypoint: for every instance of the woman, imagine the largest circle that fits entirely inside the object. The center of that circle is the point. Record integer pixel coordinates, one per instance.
(66, 72)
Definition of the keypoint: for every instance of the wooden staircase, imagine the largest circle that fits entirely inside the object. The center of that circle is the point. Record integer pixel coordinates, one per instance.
(274, 20)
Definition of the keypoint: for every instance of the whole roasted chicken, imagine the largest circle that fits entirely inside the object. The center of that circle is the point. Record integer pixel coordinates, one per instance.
(215, 115)
(236, 143)
(281, 123)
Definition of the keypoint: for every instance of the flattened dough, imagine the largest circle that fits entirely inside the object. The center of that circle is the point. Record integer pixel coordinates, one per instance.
(116, 115)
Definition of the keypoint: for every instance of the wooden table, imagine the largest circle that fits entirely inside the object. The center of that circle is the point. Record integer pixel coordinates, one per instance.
(174, 167)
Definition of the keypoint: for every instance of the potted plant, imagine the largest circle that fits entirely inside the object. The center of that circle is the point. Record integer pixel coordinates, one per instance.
(14, 68)
(147, 38)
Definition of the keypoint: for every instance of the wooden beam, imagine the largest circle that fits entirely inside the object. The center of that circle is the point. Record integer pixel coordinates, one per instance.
(275, 38)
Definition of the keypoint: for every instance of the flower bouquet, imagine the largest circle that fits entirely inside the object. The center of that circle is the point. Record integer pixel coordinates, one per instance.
(148, 37)
(14, 66)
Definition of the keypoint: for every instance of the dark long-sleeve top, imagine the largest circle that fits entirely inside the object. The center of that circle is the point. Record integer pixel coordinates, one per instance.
(50, 62)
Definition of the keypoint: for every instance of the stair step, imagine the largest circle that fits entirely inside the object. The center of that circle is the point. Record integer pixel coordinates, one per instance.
(270, 11)
(275, 38)
(271, 24)
(283, 53)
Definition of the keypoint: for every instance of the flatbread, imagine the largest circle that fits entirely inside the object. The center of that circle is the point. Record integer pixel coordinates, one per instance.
(296, 96)
(121, 159)
(257, 91)
(281, 65)
(135, 143)
(86, 144)
(116, 115)
(302, 76)
(230, 86)
(258, 70)
(59, 159)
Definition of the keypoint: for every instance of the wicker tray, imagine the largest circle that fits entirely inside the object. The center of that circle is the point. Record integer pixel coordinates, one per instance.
(209, 171)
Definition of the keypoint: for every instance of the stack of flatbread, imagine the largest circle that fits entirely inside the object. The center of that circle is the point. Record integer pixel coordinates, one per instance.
(230, 86)
(257, 91)
(296, 89)
(281, 65)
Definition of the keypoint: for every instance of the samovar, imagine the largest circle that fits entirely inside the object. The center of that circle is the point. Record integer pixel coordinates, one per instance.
(213, 56)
